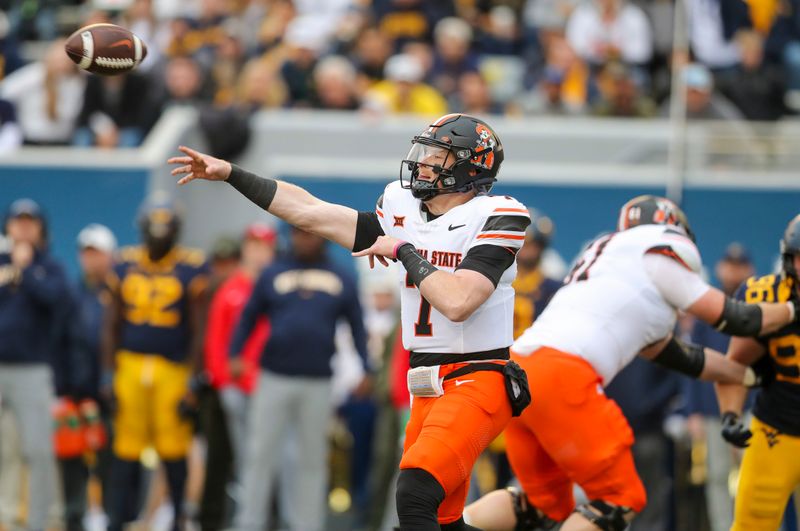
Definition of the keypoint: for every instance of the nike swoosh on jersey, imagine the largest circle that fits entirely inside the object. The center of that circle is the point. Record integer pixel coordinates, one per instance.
(454, 227)
(460, 382)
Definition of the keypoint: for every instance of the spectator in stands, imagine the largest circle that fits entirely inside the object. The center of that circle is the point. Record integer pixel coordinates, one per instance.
(621, 93)
(452, 54)
(226, 431)
(10, 59)
(604, 30)
(473, 96)
(710, 39)
(423, 51)
(261, 86)
(373, 48)
(32, 286)
(547, 18)
(565, 86)
(48, 96)
(184, 82)
(117, 111)
(403, 90)
(335, 84)
(81, 367)
(272, 27)
(140, 18)
(229, 58)
(304, 47)
(295, 381)
(10, 133)
(702, 101)
(755, 86)
(410, 20)
(501, 34)
(702, 408)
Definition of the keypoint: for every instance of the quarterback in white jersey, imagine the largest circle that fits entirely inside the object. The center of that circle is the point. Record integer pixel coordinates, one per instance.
(498, 221)
(620, 300)
(457, 245)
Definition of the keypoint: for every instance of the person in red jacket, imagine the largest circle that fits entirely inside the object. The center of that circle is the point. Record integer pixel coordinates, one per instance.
(235, 381)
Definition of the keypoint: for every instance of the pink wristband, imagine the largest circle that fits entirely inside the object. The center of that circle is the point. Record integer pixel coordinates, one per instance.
(396, 247)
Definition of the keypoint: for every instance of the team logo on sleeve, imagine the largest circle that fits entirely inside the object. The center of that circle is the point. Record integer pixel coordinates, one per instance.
(399, 221)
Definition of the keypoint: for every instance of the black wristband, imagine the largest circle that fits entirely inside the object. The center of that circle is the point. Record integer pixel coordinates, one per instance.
(418, 268)
(259, 190)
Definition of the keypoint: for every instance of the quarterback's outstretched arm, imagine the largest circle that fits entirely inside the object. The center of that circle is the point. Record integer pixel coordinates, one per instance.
(289, 202)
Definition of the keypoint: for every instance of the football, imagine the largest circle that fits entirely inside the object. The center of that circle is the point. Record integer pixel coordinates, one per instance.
(105, 49)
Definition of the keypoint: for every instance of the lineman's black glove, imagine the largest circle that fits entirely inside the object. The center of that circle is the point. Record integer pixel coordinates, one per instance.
(734, 431)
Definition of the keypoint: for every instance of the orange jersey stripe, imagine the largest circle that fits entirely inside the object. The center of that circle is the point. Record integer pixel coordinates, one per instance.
(519, 210)
(379, 212)
(502, 236)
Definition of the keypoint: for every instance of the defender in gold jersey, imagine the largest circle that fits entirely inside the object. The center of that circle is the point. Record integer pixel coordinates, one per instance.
(770, 469)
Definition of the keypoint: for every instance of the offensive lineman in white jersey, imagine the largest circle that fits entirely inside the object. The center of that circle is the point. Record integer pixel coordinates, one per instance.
(621, 299)
(457, 245)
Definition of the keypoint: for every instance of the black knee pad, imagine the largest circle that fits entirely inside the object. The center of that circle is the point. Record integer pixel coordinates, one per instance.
(528, 517)
(418, 498)
(611, 517)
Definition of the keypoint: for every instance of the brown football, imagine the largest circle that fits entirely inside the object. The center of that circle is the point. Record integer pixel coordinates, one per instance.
(105, 49)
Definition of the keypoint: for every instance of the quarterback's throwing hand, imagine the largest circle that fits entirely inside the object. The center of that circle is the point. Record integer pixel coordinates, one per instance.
(383, 248)
(196, 165)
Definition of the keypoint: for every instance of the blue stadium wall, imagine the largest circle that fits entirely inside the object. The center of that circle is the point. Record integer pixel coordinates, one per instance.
(75, 197)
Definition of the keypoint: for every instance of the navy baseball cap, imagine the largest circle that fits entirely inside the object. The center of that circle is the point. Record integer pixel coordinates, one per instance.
(737, 253)
(25, 207)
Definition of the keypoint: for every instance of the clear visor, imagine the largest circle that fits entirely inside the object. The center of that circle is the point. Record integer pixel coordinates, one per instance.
(434, 157)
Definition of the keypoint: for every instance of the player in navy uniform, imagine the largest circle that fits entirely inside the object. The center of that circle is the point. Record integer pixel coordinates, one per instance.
(153, 344)
(770, 468)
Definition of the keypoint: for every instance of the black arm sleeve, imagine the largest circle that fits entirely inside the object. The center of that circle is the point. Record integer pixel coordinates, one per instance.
(489, 260)
(685, 358)
(259, 190)
(368, 228)
(740, 319)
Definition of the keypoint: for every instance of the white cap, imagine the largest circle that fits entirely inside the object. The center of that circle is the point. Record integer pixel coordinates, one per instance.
(307, 33)
(98, 237)
(404, 67)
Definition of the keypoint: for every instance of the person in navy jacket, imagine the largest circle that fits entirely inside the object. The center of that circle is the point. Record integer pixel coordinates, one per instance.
(32, 288)
(303, 295)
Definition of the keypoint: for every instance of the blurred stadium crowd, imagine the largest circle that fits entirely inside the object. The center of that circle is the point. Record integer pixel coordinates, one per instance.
(514, 57)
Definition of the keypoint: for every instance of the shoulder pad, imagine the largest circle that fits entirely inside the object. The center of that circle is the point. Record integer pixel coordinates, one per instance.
(192, 257)
(674, 245)
(131, 253)
(767, 288)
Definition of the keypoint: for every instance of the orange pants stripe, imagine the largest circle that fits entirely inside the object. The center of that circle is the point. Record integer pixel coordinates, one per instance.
(445, 435)
(571, 433)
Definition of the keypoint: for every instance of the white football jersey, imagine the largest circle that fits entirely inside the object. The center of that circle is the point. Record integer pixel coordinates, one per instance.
(444, 242)
(610, 308)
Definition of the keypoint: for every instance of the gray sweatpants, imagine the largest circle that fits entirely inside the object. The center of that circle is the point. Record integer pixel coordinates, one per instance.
(27, 390)
(280, 402)
(720, 462)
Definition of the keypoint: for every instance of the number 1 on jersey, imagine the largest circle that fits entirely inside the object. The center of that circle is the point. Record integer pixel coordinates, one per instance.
(423, 326)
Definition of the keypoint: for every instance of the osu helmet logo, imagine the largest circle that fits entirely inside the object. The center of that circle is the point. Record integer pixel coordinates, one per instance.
(486, 142)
